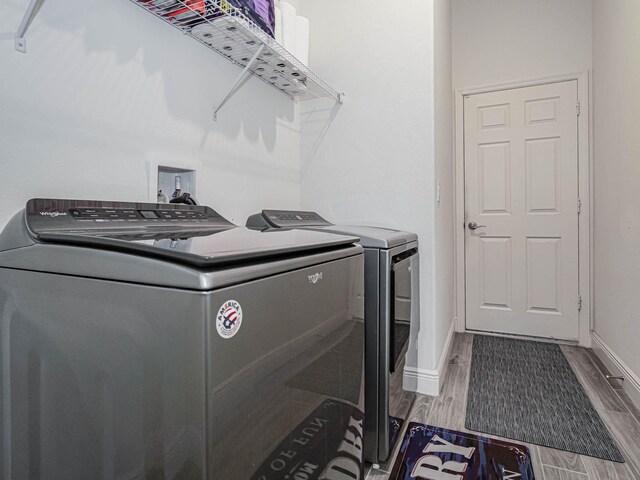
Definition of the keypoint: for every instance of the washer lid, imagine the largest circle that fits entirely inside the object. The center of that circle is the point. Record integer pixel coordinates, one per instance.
(194, 235)
(208, 248)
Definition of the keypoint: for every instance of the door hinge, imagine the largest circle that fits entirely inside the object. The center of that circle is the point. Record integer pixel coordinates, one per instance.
(579, 206)
(578, 108)
(579, 303)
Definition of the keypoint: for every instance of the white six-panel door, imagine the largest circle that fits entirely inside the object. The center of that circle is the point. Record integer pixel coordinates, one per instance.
(521, 189)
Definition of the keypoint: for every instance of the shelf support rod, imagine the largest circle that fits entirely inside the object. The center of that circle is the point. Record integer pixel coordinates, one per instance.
(29, 15)
(237, 83)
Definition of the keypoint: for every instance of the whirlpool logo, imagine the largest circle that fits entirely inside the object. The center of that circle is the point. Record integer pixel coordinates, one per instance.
(315, 278)
(53, 214)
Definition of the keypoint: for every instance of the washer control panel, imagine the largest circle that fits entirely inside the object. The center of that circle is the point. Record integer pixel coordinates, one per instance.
(64, 215)
(132, 214)
(285, 219)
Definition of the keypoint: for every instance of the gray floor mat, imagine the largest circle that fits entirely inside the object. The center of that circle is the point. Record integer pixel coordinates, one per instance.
(525, 390)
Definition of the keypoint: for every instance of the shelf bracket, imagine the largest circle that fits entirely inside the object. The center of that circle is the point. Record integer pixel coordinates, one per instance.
(29, 15)
(237, 83)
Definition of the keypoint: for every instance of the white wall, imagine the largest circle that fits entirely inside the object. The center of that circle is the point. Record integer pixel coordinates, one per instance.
(616, 113)
(504, 40)
(371, 161)
(106, 87)
(444, 164)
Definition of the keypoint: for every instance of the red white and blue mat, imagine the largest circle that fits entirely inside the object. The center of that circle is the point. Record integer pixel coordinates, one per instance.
(433, 453)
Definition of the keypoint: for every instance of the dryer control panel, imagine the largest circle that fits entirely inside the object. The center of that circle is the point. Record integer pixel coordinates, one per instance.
(80, 216)
(285, 219)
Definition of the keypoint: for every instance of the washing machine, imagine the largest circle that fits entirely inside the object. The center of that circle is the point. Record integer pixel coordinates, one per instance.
(392, 309)
(160, 341)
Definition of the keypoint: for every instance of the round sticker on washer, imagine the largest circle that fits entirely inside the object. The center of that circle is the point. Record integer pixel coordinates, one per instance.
(229, 319)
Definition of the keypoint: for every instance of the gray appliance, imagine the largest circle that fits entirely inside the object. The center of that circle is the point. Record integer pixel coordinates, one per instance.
(162, 342)
(391, 307)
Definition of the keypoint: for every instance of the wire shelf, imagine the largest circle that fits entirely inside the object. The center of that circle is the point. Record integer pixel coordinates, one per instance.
(227, 30)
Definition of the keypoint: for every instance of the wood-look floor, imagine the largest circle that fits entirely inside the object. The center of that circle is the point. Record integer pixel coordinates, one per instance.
(612, 403)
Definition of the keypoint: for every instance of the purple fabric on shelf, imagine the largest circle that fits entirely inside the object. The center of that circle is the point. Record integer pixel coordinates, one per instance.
(262, 12)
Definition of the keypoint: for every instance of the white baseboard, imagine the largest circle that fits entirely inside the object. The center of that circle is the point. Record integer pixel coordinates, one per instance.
(617, 367)
(429, 382)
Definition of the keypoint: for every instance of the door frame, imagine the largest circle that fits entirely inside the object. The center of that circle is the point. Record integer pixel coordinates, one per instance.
(585, 189)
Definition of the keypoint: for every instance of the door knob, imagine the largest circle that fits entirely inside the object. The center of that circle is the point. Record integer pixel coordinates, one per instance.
(475, 226)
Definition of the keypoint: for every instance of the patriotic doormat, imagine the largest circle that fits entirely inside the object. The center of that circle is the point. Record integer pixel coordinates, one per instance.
(432, 453)
(395, 426)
